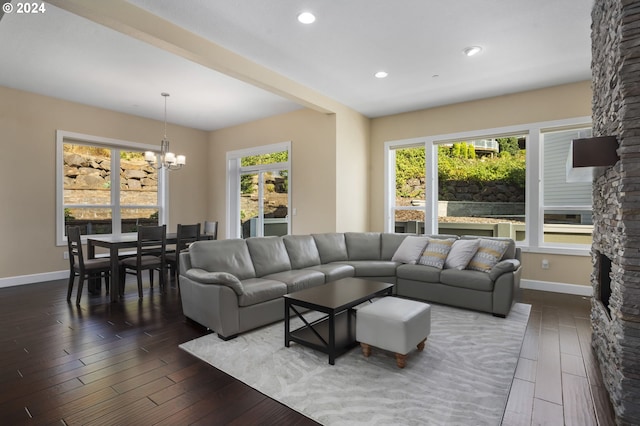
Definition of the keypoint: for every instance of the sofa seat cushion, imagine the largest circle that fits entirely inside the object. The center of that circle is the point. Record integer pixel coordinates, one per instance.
(474, 280)
(334, 271)
(257, 290)
(427, 274)
(373, 268)
(298, 279)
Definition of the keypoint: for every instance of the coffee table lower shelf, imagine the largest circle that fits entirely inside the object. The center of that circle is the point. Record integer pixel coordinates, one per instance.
(344, 331)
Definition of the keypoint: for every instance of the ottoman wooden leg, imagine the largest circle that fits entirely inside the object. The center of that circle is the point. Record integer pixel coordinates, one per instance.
(421, 344)
(401, 360)
(366, 349)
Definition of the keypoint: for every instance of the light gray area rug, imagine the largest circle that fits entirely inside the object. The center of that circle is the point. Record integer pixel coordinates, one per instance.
(462, 377)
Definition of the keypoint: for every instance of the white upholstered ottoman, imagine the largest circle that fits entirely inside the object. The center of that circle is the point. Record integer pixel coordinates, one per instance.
(393, 324)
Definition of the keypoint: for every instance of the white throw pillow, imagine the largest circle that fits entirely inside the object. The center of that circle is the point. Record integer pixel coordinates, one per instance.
(410, 249)
(461, 254)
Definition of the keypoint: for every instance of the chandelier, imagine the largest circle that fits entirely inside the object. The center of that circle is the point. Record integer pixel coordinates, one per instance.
(168, 160)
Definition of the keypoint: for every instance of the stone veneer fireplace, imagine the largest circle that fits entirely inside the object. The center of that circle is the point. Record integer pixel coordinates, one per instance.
(615, 313)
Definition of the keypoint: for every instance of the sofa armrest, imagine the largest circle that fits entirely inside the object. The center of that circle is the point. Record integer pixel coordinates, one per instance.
(504, 266)
(224, 278)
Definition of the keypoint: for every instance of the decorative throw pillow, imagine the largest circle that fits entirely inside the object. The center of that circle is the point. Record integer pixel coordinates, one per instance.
(410, 249)
(436, 252)
(489, 253)
(462, 251)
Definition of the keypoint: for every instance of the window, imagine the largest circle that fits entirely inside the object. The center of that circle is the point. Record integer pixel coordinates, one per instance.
(409, 182)
(567, 202)
(509, 181)
(259, 191)
(481, 187)
(101, 202)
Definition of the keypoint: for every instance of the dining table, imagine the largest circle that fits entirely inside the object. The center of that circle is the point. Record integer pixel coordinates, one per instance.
(115, 243)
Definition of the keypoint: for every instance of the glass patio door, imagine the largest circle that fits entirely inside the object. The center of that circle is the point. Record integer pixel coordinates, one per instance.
(258, 190)
(264, 203)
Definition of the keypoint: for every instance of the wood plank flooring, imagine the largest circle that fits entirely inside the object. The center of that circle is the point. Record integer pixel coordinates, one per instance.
(119, 364)
(557, 380)
(114, 364)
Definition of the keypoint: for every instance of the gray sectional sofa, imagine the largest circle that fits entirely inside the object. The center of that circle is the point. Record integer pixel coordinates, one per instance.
(232, 286)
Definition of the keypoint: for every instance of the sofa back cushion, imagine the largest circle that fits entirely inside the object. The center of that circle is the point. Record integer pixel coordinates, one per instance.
(302, 250)
(269, 255)
(363, 245)
(389, 244)
(230, 256)
(331, 246)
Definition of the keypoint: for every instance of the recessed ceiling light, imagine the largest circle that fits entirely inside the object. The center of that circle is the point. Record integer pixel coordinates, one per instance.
(306, 18)
(381, 74)
(472, 50)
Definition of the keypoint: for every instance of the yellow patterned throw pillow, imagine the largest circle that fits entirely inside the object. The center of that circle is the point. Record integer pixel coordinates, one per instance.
(488, 255)
(436, 252)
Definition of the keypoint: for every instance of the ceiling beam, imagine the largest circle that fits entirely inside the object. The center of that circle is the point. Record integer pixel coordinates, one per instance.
(138, 23)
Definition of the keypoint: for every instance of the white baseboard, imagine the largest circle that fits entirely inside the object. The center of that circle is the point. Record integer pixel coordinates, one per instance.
(32, 279)
(579, 290)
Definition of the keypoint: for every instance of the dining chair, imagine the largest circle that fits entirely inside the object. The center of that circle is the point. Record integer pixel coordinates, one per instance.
(81, 267)
(186, 235)
(150, 255)
(211, 228)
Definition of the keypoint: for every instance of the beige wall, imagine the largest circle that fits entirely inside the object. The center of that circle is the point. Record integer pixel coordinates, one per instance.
(352, 172)
(554, 103)
(337, 165)
(562, 268)
(28, 125)
(313, 156)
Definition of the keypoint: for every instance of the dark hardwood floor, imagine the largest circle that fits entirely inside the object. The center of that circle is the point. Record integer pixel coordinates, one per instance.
(119, 364)
(114, 364)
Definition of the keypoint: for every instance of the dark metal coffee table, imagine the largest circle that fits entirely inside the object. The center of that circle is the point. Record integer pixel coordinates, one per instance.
(334, 333)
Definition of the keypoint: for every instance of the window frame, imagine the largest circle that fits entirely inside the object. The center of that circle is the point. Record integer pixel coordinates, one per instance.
(534, 196)
(116, 145)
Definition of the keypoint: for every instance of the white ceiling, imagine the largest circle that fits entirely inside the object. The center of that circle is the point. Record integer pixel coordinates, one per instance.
(527, 45)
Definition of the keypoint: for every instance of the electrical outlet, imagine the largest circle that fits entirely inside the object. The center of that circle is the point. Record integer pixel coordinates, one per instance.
(65, 255)
(545, 263)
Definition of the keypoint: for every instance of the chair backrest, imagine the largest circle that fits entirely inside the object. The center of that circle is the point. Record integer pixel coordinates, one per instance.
(152, 241)
(187, 234)
(74, 245)
(211, 228)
